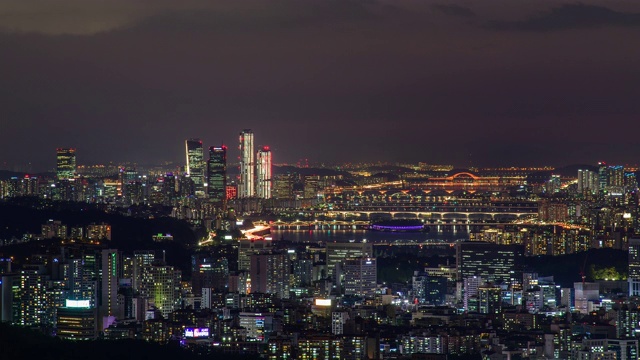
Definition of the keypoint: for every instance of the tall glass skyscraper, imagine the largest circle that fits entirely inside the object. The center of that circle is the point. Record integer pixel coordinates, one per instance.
(217, 175)
(66, 163)
(263, 169)
(195, 164)
(109, 285)
(246, 183)
(634, 267)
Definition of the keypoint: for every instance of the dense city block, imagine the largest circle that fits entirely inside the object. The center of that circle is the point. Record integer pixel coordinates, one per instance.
(349, 261)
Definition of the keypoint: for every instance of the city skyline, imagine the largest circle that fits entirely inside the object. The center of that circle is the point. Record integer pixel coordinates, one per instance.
(320, 179)
(490, 84)
(197, 147)
(29, 168)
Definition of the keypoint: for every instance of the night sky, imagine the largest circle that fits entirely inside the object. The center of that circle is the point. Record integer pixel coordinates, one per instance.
(491, 82)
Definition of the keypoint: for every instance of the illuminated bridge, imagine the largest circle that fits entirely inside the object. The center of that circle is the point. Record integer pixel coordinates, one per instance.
(435, 210)
(364, 225)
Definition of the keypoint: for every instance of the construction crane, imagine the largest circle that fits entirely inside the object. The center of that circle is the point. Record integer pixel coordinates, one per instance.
(584, 264)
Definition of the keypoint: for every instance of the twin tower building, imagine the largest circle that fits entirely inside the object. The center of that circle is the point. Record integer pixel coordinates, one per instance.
(211, 180)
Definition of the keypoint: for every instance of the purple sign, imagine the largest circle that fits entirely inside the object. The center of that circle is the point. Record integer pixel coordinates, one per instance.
(196, 332)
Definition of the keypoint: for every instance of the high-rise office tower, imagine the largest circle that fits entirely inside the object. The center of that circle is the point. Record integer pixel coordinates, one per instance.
(109, 284)
(30, 298)
(141, 261)
(159, 284)
(311, 186)
(246, 184)
(627, 322)
(210, 273)
(585, 292)
(338, 320)
(263, 169)
(338, 252)
(470, 286)
(603, 176)
(195, 164)
(360, 276)
(634, 267)
(283, 186)
(489, 299)
(586, 181)
(494, 263)
(616, 176)
(430, 290)
(77, 321)
(630, 181)
(270, 274)
(80, 273)
(66, 163)
(217, 175)
(302, 272)
(246, 248)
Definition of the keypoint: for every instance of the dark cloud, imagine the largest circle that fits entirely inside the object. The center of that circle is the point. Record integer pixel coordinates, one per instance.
(326, 80)
(454, 10)
(570, 16)
(281, 15)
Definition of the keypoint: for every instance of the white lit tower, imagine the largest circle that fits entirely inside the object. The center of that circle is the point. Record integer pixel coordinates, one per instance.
(263, 170)
(109, 285)
(634, 267)
(246, 184)
(195, 164)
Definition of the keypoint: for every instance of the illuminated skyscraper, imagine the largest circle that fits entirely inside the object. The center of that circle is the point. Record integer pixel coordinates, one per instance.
(492, 262)
(634, 267)
(246, 248)
(246, 184)
(587, 181)
(338, 252)
(616, 176)
(195, 164)
(263, 169)
(311, 186)
(109, 284)
(489, 299)
(603, 176)
(30, 297)
(360, 276)
(158, 284)
(77, 321)
(269, 274)
(217, 174)
(283, 186)
(66, 163)
(81, 275)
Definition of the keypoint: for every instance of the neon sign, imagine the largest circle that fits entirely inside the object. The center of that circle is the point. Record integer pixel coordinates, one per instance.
(196, 332)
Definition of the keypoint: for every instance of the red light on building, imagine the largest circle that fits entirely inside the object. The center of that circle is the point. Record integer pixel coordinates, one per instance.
(232, 192)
